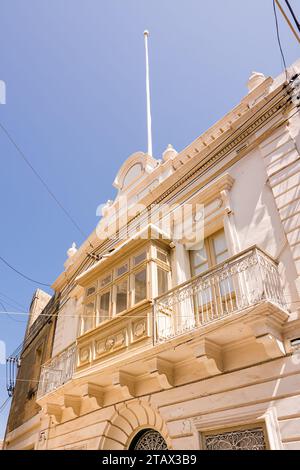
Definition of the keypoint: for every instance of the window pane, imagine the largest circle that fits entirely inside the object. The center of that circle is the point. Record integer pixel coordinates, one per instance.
(199, 261)
(140, 286)
(104, 306)
(200, 269)
(221, 257)
(220, 247)
(87, 323)
(139, 258)
(121, 297)
(162, 256)
(162, 280)
(121, 270)
(199, 256)
(90, 290)
(105, 280)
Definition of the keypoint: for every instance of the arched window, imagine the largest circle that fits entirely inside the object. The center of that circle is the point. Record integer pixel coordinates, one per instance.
(132, 174)
(148, 439)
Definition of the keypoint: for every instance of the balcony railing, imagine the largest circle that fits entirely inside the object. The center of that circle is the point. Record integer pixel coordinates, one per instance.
(241, 282)
(57, 371)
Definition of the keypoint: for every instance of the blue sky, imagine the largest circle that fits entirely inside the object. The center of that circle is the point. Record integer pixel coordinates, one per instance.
(75, 77)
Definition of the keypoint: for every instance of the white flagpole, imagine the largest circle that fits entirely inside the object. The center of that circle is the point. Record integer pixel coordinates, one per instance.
(149, 130)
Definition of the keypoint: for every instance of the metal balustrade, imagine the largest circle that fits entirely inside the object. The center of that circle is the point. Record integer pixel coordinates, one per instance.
(57, 371)
(241, 282)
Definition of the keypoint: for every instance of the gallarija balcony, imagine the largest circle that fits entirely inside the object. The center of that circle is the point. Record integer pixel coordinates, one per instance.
(229, 316)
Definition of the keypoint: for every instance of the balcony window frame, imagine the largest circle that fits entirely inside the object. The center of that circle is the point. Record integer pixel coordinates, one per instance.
(211, 259)
(114, 279)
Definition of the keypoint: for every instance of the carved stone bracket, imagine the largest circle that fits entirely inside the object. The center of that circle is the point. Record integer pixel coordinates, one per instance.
(54, 410)
(125, 383)
(162, 370)
(267, 332)
(95, 391)
(73, 402)
(208, 355)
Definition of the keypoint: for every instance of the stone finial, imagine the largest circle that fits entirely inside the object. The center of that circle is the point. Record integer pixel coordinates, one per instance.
(105, 207)
(72, 250)
(169, 153)
(255, 79)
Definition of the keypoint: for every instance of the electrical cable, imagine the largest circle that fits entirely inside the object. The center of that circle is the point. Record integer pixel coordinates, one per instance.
(288, 21)
(3, 406)
(86, 262)
(9, 314)
(23, 275)
(278, 39)
(293, 14)
(43, 182)
(13, 300)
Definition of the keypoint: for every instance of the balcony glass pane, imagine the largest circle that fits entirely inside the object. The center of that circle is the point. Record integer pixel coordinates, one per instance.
(139, 258)
(91, 290)
(162, 256)
(122, 270)
(162, 280)
(105, 280)
(104, 304)
(140, 285)
(88, 316)
(121, 296)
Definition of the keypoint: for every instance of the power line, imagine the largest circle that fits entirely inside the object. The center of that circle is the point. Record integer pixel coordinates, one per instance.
(293, 14)
(21, 274)
(2, 407)
(13, 300)
(9, 314)
(23, 156)
(278, 39)
(288, 21)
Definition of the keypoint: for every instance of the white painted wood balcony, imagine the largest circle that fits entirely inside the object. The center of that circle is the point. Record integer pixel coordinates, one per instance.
(236, 304)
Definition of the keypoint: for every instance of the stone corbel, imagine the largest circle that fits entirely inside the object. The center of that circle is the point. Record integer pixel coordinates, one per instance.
(267, 333)
(208, 355)
(125, 383)
(54, 410)
(93, 391)
(162, 371)
(73, 402)
(226, 200)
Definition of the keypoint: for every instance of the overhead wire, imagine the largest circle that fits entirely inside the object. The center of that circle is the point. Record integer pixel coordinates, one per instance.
(288, 21)
(87, 261)
(293, 14)
(9, 314)
(13, 300)
(43, 182)
(279, 40)
(53, 196)
(3, 406)
(22, 274)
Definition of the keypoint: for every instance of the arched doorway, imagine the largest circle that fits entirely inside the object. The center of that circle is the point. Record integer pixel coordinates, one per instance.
(148, 439)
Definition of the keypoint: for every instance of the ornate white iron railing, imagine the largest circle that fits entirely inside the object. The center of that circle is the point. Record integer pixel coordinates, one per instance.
(241, 282)
(57, 371)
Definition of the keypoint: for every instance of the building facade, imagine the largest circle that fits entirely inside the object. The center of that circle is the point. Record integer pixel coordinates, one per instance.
(186, 339)
(36, 349)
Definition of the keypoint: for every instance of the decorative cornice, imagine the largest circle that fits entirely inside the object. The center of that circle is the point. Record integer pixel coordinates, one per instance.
(245, 126)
